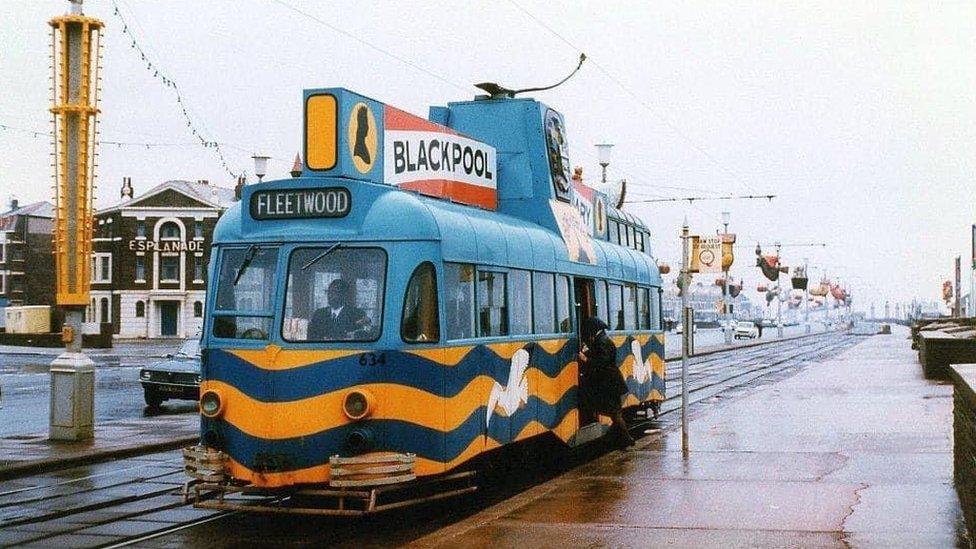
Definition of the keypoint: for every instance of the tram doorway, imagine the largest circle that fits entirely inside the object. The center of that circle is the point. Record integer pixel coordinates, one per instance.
(585, 308)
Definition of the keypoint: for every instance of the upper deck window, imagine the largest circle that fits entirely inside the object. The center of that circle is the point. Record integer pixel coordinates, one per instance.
(245, 285)
(334, 294)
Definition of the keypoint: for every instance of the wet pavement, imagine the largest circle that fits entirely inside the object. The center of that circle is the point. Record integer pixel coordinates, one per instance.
(854, 451)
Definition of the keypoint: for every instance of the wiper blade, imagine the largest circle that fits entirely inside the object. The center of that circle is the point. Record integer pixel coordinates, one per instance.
(328, 251)
(248, 257)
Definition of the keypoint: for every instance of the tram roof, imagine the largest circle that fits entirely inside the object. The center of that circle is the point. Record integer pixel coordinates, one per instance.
(466, 234)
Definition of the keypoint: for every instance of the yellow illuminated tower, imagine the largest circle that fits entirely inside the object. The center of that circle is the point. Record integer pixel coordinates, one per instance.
(76, 56)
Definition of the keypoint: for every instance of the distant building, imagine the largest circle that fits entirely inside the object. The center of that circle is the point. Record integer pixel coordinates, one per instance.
(149, 268)
(26, 255)
(705, 300)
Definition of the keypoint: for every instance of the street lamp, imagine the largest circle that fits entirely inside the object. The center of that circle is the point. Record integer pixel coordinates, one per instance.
(260, 166)
(603, 156)
(779, 295)
(727, 329)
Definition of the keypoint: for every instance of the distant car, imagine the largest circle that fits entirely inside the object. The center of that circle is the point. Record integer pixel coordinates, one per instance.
(681, 328)
(746, 329)
(177, 377)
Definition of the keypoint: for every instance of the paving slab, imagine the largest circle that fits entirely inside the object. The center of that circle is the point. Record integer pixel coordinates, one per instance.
(852, 451)
(28, 455)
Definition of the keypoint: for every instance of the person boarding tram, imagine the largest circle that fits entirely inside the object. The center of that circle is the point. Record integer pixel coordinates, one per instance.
(603, 386)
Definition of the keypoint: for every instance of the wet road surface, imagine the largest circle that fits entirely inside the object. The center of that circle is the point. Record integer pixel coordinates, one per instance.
(135, 501)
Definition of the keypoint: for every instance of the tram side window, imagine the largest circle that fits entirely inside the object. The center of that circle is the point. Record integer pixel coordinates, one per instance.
(640, 241)
(630, 307)
(245, 284)
(492, 304)
(520, 306)
(419, 322)
(656, 319)
(616, 310)
(334, 294)
(459, 300)
(612, 234)
(563, 322)
(621, 234)
(644, 309)
(601, 300)
(543, 312)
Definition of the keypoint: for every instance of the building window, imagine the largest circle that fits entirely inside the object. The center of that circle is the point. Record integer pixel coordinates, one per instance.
(103, 311)
(3, 282)
(492, 304)
(198, 228)
(169, 231)
(141, 228)
(197, 309)
(102, 267)
(3, 252)
(140, 268)
(459, 300)
(197, 268)
(140, 309)
(169, 268)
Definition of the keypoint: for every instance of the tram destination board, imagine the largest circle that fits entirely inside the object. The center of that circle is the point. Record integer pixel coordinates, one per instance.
(300, 203)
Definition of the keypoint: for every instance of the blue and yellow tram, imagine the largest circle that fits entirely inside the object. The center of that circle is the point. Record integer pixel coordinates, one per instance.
(416, 292)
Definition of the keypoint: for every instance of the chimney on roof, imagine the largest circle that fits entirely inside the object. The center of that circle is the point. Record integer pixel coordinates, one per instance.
(296, 168)
(13, 203)
(126, 188)
(239, 188)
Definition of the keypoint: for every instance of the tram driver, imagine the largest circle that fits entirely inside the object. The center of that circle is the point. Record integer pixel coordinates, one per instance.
(339, 320)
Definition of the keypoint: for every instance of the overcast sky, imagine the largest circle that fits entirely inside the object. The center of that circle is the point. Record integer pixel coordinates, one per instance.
(859, 116)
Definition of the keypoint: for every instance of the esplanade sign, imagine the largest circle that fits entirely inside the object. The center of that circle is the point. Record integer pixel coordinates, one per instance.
(164, 246)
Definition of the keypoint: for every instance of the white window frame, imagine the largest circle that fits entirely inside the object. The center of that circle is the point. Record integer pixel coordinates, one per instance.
(169, 280)
(136, 268)
(3, 251)
(3, 282)
(98, 276)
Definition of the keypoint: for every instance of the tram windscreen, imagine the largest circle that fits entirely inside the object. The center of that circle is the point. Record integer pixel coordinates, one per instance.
(334, 294)
(243, 308)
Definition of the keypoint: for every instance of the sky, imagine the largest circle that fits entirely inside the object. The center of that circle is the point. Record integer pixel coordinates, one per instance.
(858, 116)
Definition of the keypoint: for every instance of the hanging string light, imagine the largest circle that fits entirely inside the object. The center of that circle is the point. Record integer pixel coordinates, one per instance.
(170, 84)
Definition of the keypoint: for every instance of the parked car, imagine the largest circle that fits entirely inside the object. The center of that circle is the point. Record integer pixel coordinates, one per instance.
(177, 377)
(681, 328)
(746, 329)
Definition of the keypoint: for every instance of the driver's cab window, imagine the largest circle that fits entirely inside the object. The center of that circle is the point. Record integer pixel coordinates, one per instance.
(334, 294)
(419, 322)
(245, 288)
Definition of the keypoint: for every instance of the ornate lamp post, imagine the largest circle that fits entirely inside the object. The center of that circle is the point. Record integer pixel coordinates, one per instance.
(260, 166)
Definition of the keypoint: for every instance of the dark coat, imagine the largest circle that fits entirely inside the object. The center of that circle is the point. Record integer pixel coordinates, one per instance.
(322, 327)
(603, 384)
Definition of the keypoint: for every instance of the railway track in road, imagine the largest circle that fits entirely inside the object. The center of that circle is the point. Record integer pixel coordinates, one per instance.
(135, 501)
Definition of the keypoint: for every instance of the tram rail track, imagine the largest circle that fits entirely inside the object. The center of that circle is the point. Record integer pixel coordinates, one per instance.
(121, 494)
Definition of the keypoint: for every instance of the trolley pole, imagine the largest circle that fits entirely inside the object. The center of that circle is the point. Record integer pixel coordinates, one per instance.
(688, 321)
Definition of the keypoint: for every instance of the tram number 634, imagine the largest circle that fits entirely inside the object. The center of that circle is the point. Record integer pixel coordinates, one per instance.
(372, 359)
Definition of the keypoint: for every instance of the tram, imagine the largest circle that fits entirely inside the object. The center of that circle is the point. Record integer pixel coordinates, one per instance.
(411, 301)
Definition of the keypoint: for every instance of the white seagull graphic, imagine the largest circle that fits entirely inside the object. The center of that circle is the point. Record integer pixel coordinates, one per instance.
(642, 370)
(510, 398)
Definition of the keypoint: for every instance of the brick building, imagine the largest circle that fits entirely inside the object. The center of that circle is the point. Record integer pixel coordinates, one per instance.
(26, 258)
(149, 267)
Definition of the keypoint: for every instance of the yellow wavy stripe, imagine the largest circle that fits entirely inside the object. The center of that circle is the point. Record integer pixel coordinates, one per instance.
(281, 420)
(568, 426)
(631, 400)
(656, 395)
(447, 356)
(657, 365)
(286, 359)
(317, 474)
(552, 346)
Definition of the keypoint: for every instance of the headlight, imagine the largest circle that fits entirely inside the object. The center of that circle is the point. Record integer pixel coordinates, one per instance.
(211, 405)
(357, 404)
(145, 374)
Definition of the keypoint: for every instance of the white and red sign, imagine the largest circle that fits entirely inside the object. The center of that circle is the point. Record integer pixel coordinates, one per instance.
(431, 159)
